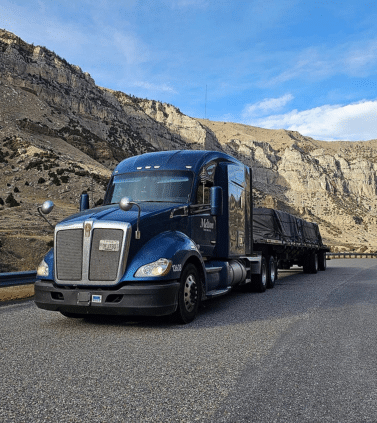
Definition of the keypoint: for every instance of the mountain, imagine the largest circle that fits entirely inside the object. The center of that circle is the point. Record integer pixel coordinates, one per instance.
(61, 134)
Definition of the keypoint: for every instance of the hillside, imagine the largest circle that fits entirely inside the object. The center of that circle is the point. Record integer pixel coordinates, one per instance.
(61, 134)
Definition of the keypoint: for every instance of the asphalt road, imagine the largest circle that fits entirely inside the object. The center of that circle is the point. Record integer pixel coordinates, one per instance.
(302, 352)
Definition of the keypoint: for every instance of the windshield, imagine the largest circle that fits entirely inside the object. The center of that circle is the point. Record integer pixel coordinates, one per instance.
(165, 186)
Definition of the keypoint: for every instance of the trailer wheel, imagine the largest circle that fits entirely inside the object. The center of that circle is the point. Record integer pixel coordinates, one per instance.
(189, 294)
(311, 263)
(260, 283)
(322, 264)
(271, 272)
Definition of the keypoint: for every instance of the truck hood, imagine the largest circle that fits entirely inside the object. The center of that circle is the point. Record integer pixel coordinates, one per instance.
(114, 214)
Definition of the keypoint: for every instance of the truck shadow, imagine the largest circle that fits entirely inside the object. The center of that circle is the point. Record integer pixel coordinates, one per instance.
(295, 293)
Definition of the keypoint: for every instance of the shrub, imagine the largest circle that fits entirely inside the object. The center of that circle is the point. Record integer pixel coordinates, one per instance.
(41, 180)
(16, 190)
(1, 202)
(54, 177)
(11, 201)
(64, 179)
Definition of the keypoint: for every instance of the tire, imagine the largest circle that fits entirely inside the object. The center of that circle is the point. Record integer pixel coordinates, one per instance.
(311, 263)
(271, 272)
(260, 283)
(73, 315)
(189, 295)
(322, 263)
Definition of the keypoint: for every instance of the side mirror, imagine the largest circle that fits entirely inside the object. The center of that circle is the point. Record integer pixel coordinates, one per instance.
(216, 201)
(125, 204)
(47, 207)
(84, 202)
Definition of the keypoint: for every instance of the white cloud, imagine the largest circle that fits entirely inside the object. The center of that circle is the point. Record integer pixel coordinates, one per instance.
(177, 4)
(321, 62)
(134, 50)
(155, 87)
(266, 106)
(352, 122)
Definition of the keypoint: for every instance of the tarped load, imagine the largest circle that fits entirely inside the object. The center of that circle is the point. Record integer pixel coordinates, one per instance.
(276, 225)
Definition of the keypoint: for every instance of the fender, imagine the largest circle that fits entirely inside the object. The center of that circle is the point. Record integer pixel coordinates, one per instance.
(172, 245)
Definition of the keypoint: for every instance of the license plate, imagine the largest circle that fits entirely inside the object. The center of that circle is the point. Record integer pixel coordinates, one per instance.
(96, 298)
(108, 245)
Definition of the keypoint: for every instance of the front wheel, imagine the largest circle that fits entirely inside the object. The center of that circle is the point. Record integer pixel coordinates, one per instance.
(189, 295)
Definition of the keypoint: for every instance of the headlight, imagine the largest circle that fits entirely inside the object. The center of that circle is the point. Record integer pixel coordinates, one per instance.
(161, 267)
(43, 269)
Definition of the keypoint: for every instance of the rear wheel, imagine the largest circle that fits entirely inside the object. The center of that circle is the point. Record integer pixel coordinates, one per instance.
(271, 272)
(189, 295)
(311, 263)
(260, 283)
(322, 264)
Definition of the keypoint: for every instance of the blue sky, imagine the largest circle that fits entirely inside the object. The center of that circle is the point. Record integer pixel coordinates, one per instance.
(309, 66)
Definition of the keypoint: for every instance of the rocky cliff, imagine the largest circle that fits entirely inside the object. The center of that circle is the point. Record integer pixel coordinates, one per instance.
(61, 134)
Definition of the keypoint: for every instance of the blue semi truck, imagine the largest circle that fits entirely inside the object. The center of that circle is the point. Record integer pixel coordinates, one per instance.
(175, 228)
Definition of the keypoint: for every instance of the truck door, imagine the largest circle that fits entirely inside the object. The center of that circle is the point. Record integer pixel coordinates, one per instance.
(202, 224)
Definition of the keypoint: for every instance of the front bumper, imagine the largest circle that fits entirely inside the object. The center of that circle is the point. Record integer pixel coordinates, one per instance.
(144, 299)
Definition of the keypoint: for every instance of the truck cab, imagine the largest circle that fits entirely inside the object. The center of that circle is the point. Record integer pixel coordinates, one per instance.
(175, 229)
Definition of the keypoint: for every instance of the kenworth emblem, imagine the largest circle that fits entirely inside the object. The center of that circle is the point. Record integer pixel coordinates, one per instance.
(87, 229)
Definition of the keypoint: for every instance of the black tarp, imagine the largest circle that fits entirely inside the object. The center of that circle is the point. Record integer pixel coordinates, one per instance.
(270, 224)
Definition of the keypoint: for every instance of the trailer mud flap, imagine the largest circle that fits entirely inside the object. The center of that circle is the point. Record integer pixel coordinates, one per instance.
(255, 264)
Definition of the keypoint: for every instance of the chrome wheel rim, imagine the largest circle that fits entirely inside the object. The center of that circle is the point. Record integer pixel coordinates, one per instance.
(264, 276)
(190, 293)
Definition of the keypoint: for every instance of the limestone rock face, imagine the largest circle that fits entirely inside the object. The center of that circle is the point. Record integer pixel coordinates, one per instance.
(57, 125)
(191, 130)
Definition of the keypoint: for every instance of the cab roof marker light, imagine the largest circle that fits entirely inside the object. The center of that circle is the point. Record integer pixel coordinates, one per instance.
(188, 167)
(148, 167)
(156, 167)
(139, 168)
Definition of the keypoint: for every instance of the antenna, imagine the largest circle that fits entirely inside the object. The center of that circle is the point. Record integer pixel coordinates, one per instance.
(205, 105)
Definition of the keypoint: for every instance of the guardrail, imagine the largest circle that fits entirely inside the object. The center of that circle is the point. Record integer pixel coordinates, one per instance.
(329, 256)
(29, 277)
(17, 278)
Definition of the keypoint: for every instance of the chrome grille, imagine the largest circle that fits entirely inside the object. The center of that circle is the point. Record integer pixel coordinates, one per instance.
(69, 254)
(94, 256)
(104, 264)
